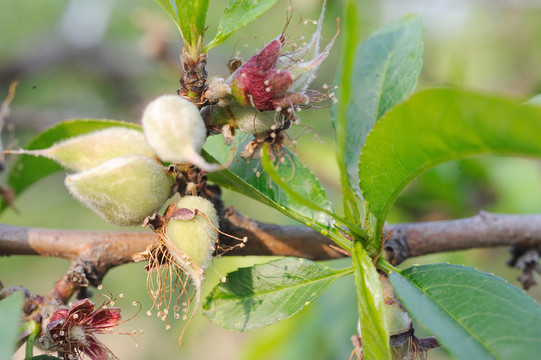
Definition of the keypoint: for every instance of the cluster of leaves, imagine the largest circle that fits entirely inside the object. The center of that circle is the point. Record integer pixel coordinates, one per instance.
(385, 138)
(190, 20)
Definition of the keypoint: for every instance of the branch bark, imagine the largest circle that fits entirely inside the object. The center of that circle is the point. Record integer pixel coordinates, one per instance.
(107, 249)
(480, 231)
(93, 253)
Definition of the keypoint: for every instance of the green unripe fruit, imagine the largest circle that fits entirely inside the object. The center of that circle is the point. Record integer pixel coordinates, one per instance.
(398, 319)
(196, 237)
(175, 130)
(246, 118)
(123, 190)
(190, 239)
(90, 150)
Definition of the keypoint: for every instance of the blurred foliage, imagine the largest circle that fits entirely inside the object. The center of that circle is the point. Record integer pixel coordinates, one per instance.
(107, 59)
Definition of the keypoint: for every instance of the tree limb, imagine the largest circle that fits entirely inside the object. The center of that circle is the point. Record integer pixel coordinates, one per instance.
(106, 249)
(93, 253)
(480, 231)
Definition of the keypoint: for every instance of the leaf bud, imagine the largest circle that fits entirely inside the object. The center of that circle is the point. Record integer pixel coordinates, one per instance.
(123, 190)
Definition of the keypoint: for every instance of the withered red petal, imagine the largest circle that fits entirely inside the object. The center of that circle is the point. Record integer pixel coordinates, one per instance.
(96, 350)
(82, 307)
(60, 314)
(103, 319)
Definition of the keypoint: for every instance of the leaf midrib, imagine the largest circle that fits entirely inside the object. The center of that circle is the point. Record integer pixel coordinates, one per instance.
(383, 79)
(467, 329)
(337, 274)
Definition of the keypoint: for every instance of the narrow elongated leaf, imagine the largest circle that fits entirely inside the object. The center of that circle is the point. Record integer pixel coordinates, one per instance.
(170, 10)
(189, 16)
(268, 166)
(248, 178)
(378, 74)
(339, 111)
(435, 126)
(10, 316)
(238, 14)
(374, 327)
(475, 315)
(29, 169)
(262, 295)
(29, 332)
(192, 15)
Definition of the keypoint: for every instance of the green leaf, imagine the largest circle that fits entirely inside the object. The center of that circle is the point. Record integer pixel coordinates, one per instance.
(28, 169)
(377, 75)
(435, 126)
(269, 168)
(374, 327)
(10, 317)
(192, 15)
(29, 332)
(339, 111)
(44, 357)
(248, 178)
(262, 295)
(238, 14)
(475, 315)
(170, 10)
(189, 17)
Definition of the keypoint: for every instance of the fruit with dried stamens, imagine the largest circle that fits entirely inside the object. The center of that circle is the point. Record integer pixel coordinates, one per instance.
(195, 237)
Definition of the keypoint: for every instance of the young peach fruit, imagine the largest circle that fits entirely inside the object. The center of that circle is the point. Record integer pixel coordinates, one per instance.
(90, 150)
(176, 131)
(195, 237)
(123, 190)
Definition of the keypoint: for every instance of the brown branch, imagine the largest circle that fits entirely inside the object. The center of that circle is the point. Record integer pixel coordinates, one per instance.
(481, 231)
(270, 239)
(106, 249)
(93, 253)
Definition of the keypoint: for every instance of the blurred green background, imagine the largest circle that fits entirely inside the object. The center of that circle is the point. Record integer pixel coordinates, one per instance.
(107, 59)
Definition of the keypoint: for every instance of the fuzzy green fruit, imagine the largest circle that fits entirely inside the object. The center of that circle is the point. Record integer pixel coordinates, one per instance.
(196, 237)
(123, 190)
(246, 118)
(398, 319)
(191, 235)
(175, 130)
(87, 151)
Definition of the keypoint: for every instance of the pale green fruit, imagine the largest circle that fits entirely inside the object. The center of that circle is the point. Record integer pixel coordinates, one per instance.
(123, 190)
(246, 118)
(398, 319)
(175, 130)
(192, 242)
(90, 150)
(196, 237)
